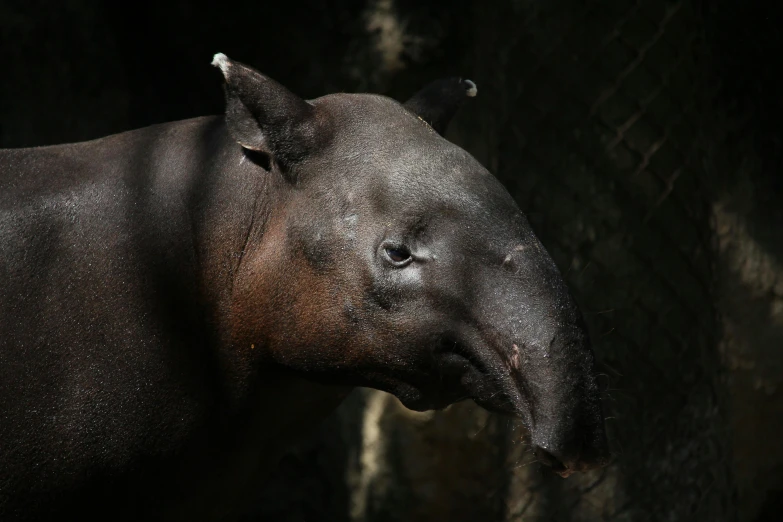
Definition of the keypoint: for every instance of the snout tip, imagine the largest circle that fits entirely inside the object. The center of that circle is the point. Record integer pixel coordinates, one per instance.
(567, 466)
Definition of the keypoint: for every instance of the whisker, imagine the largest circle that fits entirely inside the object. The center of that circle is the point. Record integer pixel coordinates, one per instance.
(585, 268)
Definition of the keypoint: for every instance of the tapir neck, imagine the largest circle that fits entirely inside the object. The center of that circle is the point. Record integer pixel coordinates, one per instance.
(228, 199)
(225, 197)
(205, 202)
(230, 203)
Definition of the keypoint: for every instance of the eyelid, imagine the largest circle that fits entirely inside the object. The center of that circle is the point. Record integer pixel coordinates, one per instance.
(386, 246)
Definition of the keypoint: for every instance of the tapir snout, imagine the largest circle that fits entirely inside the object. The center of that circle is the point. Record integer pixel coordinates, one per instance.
(533, 350)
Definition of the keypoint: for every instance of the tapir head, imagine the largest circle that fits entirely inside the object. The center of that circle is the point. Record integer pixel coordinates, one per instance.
(392, 259)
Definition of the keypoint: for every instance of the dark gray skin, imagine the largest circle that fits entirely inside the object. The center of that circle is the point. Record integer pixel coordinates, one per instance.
(178, 303)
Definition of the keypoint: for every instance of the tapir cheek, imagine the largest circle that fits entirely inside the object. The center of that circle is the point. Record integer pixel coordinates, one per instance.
(396, 288)
(350, 312)
(316, 247)
(348, 227)
(409, 278)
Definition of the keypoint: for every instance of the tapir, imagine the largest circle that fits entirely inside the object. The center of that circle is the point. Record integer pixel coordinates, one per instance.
(180, 302)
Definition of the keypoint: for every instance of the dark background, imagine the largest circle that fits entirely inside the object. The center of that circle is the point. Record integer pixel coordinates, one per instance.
(641, 137)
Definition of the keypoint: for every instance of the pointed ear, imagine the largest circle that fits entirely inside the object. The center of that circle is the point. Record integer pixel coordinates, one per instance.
(263, 116)
(438, 102)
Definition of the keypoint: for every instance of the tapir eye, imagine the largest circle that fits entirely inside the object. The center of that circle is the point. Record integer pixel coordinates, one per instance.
(397, 255)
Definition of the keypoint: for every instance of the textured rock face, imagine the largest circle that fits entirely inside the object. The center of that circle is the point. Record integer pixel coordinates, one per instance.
(615, 125)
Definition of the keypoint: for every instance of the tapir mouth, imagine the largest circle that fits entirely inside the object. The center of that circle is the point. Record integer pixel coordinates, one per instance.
(476, 371)
(453, 358)
(492, 379)
(456, 368)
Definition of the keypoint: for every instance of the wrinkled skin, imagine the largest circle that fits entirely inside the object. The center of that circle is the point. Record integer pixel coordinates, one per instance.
(177, 303)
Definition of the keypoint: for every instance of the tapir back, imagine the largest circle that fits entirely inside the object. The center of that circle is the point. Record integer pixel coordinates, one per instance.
(100, 327)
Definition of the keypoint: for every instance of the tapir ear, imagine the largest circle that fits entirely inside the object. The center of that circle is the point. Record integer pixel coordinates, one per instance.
(438, 102)
(264, 116)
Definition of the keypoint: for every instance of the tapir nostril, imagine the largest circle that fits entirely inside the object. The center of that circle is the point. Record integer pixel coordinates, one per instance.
(550, 460)
(565, 465)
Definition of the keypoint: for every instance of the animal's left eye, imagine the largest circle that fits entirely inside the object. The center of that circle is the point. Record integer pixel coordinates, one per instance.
(398, 255)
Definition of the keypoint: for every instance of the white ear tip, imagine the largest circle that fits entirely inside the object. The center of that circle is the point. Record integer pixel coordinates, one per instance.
(472, 89)
(221, 61)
